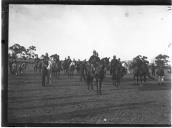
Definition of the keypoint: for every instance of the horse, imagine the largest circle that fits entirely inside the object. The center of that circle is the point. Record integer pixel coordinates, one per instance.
(65, 66)
(160, 73)
(116, 73)
(141, 72)
(21, 68)
(14, 68)
(88, 72)
(56, 68)
(92, 72)
(35, 67)
(81, 70)
(71, 70)
(105, 62)
(99, 76)
(43, 72)
(153, 69)
(78, 63)
(46, 72)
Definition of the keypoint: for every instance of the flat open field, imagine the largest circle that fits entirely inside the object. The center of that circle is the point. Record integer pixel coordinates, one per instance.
(69, 101)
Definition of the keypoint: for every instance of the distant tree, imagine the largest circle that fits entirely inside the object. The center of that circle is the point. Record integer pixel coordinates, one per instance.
(138, 60)
(55, 56)
(36, 56)
(30, 51)
(17, 50)
(161, 60)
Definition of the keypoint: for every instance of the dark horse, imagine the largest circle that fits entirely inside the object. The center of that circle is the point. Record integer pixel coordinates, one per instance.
(92, 72)
(88, 72)
(56, 68)
(46, 73)
(81, 70)
(99, 76)
(117, 72)
(160, 73)
(141, 69)
(105, 62)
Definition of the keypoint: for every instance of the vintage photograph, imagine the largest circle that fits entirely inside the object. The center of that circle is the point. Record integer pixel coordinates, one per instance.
(89, 64)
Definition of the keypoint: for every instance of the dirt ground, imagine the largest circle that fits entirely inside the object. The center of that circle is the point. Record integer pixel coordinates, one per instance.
(69, 101)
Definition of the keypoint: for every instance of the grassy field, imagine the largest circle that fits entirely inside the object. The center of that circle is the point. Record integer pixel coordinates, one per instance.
(69, 101)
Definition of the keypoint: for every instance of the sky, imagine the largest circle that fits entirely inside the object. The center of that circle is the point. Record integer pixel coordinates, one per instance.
(76, 30)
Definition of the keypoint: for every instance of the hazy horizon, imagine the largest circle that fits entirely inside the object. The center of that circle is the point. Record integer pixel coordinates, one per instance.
(76, 30)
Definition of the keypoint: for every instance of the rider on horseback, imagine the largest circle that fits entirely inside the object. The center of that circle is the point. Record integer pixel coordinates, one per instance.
(113, 64)
(45, 60)
(94, 59)
(68, 61)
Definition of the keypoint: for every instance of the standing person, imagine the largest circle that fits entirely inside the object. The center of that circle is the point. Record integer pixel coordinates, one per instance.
(44, 69)
(113, 64)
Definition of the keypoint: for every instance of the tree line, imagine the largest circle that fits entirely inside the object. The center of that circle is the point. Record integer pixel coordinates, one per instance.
(18, 50)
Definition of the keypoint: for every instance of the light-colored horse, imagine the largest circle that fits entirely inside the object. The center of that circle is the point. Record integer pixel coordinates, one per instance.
(71, 70)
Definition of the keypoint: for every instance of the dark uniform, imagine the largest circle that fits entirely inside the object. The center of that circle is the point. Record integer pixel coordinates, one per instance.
(94, 60)
(113, 65)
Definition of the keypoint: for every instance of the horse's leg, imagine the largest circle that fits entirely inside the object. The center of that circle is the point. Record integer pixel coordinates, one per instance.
(88, 83)
(69, 75)
(81, 77)
(118, 82)
(115, 81)
(141, 79)
(92, 84)
(48, 77)
(54, 74)
(144, 78)
(100, 87)
(43, 78)
(51, 78)
(57, 74)
(97, 83)
(137, 79)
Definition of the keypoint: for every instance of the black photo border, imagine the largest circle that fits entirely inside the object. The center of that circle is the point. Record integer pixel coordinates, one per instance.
(4, 57)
